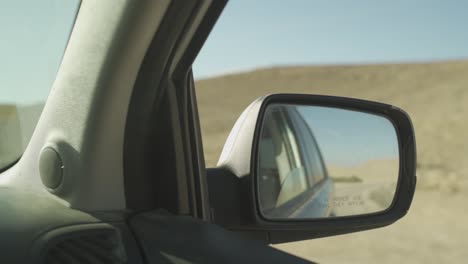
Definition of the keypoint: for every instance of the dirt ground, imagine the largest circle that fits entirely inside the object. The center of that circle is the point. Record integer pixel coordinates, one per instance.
(436, 97)
(359, 191)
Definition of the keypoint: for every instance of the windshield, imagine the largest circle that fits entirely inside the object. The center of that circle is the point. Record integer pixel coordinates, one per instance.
(34, 35)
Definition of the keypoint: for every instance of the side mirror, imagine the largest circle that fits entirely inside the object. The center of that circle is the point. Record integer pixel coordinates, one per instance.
(297, 167)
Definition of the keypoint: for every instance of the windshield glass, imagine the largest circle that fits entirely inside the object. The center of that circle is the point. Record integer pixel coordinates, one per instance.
(34, 37)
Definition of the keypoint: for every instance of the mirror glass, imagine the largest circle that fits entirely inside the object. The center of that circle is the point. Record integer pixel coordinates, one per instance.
(320, 162)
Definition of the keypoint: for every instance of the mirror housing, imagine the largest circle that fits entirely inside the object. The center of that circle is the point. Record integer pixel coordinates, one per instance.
(232, 185)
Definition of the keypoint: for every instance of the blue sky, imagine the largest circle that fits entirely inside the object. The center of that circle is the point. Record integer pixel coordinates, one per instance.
(34, 35)
(250, 34)
(349, 138)
(261, 33)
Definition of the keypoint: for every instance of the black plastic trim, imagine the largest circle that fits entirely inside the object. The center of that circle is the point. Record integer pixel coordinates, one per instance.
(161, 113)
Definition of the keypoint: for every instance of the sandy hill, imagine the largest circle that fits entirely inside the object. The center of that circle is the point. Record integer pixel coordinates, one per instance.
(17, 124)
(436, 97)
(434, 94)
(377, 170)
(29, 115)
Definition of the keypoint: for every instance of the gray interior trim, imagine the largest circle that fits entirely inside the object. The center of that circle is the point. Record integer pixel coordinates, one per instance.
(85, 115)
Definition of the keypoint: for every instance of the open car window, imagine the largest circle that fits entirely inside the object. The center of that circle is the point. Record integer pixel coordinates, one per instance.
(410, 54)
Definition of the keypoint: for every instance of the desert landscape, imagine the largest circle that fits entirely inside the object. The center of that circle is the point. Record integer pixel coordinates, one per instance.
(17, 123)
(436, 97)
(364, 188)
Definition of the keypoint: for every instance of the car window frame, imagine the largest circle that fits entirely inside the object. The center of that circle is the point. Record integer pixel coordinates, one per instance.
(292, 205)
(309, 140)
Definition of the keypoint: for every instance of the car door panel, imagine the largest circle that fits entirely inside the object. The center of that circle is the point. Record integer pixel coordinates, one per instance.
(166, 238)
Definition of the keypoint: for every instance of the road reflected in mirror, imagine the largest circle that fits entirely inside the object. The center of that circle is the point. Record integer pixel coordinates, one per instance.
(320, 162)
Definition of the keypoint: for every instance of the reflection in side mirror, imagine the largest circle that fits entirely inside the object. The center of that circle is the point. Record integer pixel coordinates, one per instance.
(318, 162)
